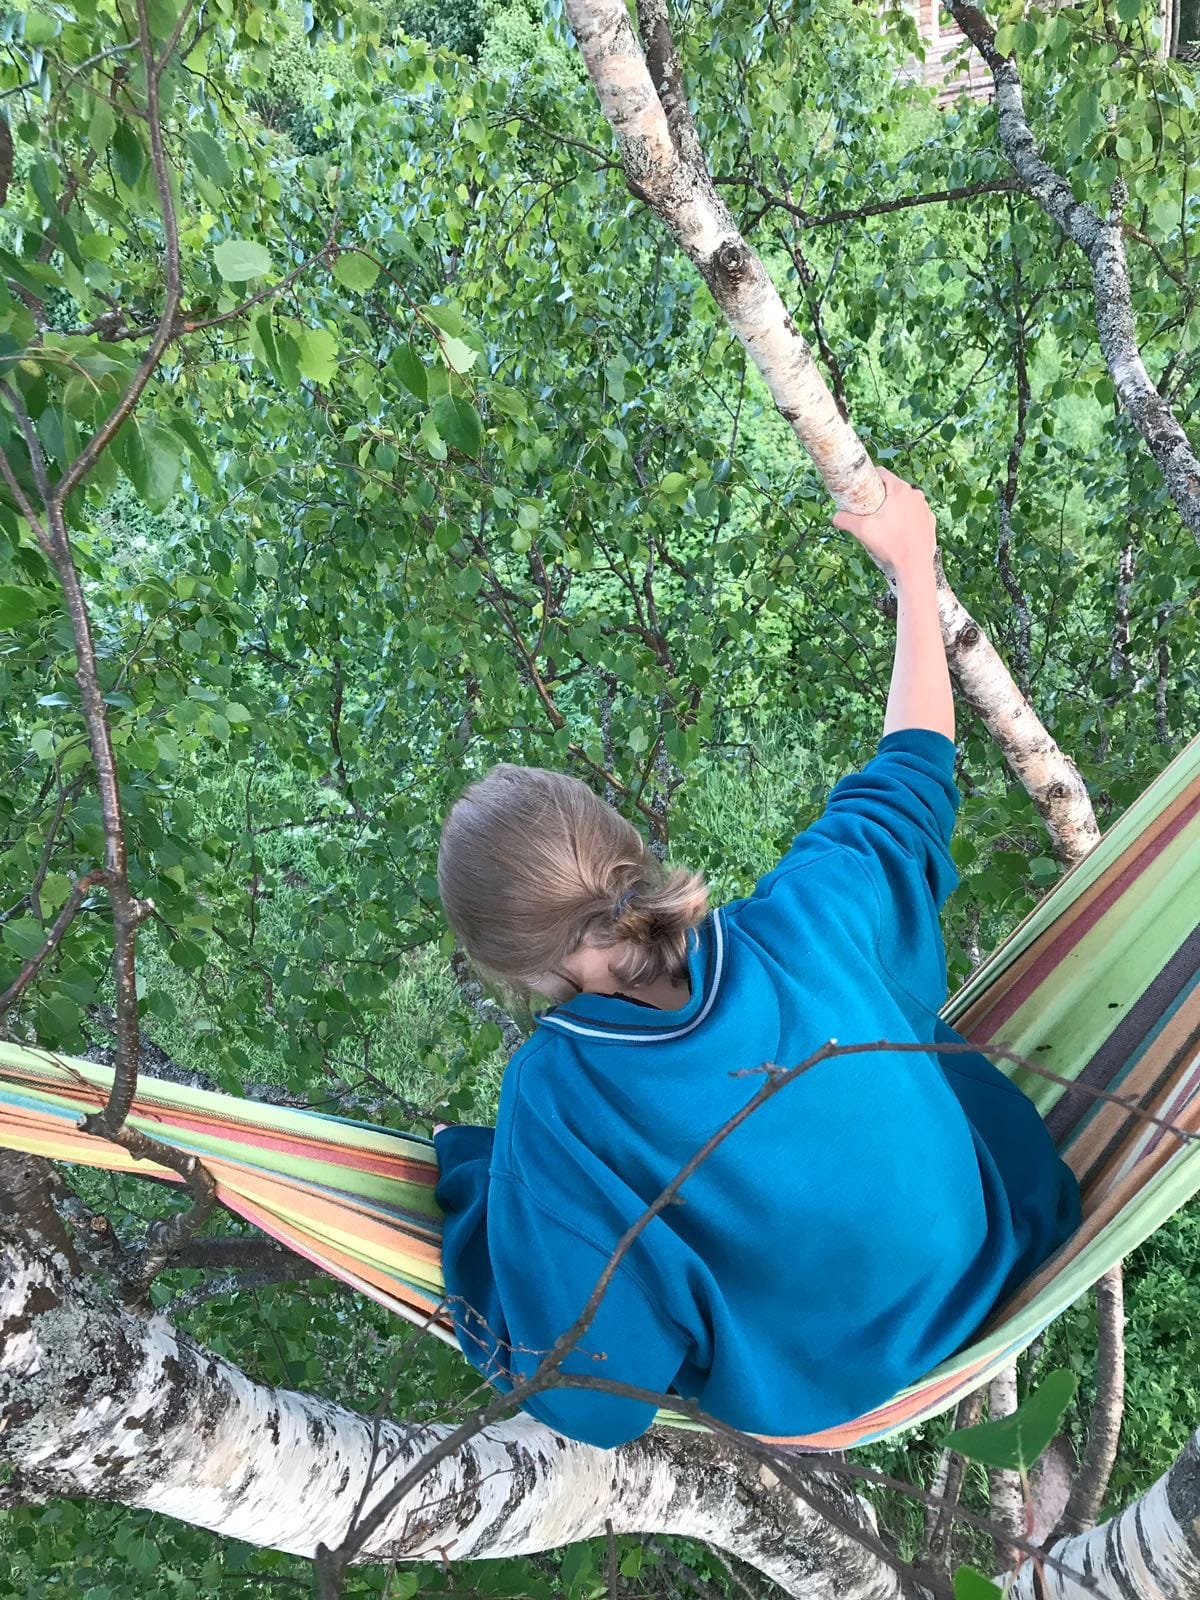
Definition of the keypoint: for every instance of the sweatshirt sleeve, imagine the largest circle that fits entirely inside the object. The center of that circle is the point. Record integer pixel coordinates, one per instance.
(519, 1276)
(464, 1154)
(893, 820)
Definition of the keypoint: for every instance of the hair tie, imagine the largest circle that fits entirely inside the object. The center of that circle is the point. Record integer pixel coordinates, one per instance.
(621, 904)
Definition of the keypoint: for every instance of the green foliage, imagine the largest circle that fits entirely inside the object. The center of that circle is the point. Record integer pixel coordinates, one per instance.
(972, 1585)
(1015, 1442)
(490, 479)
(456, 25)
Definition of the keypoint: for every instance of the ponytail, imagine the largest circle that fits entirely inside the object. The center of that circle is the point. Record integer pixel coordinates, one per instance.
(532, 863)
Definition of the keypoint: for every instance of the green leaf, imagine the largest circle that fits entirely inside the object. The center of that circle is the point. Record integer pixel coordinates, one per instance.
(1043, 869)
(152, 457)
(289, 360)
(458, 423)
(1016, 1442)
(972, 1585)
(432, 439)
(240, 260)
(262, 342)
(209, 157)
(185, 953)
(410, 370)
(318, 355)
(56, 887)
(458, 355)
(185, 429)
(355, 271)
(18, 605)
(25, 937)
(144, 1555)
(448, 318)
(102, 126)
(39, 178)
(40, 27)
(1164, 214)
(614, 376)
(128, 156)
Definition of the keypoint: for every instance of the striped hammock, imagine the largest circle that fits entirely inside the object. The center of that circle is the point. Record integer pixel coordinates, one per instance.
(1099, 985)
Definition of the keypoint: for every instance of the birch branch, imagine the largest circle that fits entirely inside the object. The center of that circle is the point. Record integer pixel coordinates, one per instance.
(98, 1401)
(1100, 239)
(1007, 1503)
(664, 166)
(1104, 1427)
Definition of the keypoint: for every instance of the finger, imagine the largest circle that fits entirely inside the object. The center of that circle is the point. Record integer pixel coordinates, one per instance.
(848, 522)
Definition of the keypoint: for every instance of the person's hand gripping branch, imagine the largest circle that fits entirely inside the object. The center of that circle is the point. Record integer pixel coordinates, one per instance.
(901, 538)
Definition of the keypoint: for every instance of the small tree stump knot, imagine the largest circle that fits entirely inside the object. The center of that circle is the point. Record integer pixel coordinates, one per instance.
(731, 258)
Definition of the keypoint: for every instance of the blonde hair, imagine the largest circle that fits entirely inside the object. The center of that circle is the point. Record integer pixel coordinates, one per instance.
(532, 863)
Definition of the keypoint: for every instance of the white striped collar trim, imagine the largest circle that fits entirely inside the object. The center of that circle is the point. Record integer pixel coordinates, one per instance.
(660, 1035)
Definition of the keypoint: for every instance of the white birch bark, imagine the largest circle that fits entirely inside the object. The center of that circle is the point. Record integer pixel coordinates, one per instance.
(1149, 1552)
(1103, 244)
(673, 179)
(97, 1401)
(644, 100)
(1006, 1500)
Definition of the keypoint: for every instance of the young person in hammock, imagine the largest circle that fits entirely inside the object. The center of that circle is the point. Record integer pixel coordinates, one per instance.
(861, 1224)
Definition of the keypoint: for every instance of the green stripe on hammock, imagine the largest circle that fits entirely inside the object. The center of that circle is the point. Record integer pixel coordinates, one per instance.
(1099, 985)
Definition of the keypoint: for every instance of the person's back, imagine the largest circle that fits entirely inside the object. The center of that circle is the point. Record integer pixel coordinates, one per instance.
(850, 1232)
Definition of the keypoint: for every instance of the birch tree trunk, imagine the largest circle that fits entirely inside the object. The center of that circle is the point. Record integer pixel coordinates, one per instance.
(645, 101)
(100, 1402)
(1152, 1549)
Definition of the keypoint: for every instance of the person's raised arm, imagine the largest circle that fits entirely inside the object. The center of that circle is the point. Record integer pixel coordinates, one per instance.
(901, 537)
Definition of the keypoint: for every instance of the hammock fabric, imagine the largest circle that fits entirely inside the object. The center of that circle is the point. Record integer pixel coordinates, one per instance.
(1100, 985)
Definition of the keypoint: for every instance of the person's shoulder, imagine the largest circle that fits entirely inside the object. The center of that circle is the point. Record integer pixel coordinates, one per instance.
(805, 865)
(532, 1054)
(527, 1062)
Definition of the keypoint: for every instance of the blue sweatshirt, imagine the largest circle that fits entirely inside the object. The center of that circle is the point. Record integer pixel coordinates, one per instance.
(853, 1232)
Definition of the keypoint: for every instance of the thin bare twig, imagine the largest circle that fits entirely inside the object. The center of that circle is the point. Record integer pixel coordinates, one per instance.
(58, 928)
(877, 208)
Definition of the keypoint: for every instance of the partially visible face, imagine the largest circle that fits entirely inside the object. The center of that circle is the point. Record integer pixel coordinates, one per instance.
(585, 970)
